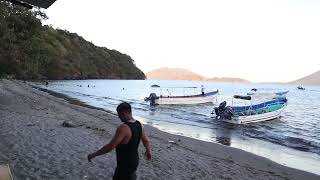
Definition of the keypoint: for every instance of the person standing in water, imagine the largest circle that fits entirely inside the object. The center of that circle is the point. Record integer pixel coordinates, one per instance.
(126, 141)
(202, 90)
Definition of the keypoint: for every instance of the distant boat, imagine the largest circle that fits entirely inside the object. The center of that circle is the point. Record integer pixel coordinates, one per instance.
(254, 89)
(283, 93)
(264, 111)
(301, 88)
(186, 99)
(155, 85)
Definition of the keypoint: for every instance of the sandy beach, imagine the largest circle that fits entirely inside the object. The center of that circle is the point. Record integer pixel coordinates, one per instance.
(37, 146)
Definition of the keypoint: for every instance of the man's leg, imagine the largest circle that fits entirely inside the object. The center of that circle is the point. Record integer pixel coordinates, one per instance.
(132, 175)
(116, 175)
(124, 174)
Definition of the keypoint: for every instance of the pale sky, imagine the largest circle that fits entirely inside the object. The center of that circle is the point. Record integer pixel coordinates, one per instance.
(258, 40)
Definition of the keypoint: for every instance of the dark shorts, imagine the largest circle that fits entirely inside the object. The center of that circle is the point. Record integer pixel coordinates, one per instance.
(124, 174)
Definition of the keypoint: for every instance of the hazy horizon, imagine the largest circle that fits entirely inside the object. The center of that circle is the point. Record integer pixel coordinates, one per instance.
(256, 40)
(222, 76)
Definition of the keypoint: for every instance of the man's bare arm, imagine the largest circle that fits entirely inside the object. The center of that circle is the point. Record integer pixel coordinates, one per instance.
(146, 143)
(116, 140)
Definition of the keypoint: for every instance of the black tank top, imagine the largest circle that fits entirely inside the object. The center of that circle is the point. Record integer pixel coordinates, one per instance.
(127, 154)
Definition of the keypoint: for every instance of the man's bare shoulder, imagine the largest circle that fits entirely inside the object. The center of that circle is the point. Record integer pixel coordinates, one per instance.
(123, 128)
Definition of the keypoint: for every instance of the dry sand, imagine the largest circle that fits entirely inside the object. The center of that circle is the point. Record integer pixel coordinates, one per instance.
(37, 146)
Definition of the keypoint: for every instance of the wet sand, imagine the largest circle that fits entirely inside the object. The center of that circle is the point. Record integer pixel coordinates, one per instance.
(37, 146)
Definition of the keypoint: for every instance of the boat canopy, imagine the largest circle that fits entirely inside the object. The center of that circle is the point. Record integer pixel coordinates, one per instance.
(268, 93)
(190, 96)
(242, 97)
(261, 105)
(281, 93)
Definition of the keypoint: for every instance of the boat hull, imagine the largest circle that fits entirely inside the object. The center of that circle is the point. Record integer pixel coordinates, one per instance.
(255, 118)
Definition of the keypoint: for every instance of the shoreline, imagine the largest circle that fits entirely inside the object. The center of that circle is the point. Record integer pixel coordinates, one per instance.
(38, 115)
(71, 100)
(306, 161)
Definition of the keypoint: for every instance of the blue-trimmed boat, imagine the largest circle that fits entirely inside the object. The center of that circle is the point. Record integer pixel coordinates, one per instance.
(267, 110)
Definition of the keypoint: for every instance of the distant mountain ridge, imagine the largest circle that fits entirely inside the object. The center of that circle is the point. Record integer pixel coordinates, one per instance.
(184, 74)
(312, 79)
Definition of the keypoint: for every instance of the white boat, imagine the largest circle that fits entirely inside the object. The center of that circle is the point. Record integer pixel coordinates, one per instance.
(264, 111)
(255, 118)
(209, 97)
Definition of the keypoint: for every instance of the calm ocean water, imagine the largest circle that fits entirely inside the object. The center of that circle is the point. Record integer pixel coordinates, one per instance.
(291, 140)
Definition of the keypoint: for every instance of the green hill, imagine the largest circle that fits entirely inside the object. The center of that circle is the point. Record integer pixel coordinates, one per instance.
(29, 50)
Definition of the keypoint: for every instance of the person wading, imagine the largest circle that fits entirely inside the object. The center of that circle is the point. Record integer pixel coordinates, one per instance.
(126, 141)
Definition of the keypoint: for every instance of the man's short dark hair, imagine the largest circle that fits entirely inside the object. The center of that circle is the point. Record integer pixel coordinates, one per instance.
(124, 107)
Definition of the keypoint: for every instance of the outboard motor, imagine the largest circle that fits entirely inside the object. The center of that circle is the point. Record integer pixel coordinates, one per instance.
(220, 109)
(152, 99)
(223, 111)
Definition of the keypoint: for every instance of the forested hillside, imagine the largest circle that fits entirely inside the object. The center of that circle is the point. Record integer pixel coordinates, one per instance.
(29, 50)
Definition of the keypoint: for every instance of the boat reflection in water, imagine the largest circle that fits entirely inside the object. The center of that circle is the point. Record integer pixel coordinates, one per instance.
(223, 134)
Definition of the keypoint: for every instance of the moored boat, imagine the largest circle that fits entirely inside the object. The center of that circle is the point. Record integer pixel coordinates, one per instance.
(264, 111)
(208, 97)
(155, 85)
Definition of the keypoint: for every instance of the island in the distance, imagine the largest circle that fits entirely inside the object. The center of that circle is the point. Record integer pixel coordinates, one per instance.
(312, 79)
(184, 74)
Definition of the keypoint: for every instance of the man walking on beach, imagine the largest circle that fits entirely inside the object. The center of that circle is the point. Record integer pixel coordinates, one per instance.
(126, 141)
